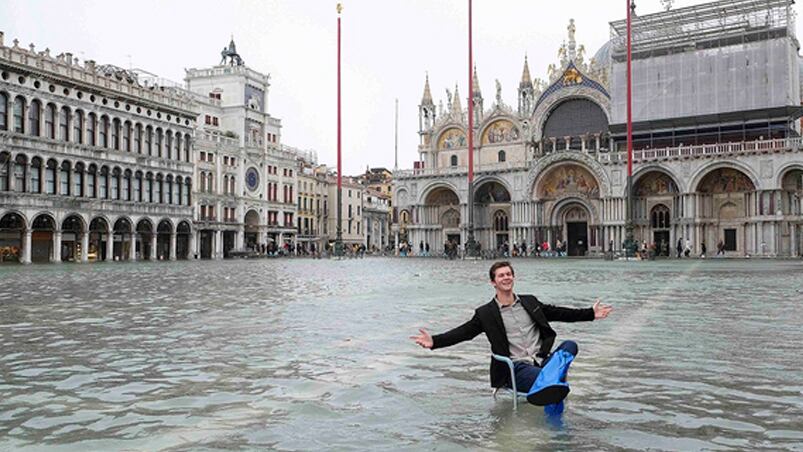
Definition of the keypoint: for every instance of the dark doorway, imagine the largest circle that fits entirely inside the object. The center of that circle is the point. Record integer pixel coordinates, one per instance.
(207, 242)
(228, 242)
(730, 239)
(500, 240)
(661, 240)
(578, 238)
(454, 238)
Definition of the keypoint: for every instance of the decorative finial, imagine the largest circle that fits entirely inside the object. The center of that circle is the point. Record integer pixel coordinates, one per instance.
(339, 8)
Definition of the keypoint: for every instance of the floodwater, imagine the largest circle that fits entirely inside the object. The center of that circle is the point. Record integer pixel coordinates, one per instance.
(312, 354)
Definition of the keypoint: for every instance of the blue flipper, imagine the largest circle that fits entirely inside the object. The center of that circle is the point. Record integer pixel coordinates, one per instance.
(551, 387)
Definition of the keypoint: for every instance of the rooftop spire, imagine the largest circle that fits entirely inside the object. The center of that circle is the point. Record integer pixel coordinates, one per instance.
(426, 99)
(456, 105)
(526, 80)
(476, 84)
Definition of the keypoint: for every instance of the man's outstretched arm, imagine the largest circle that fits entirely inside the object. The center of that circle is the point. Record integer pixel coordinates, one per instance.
(464, 332)
(560, 314)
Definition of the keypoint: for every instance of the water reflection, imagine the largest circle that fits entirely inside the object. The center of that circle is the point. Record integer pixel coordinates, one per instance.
(302, 354)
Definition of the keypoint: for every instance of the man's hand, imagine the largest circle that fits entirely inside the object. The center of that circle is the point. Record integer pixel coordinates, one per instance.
(601, 310)
(423, 339)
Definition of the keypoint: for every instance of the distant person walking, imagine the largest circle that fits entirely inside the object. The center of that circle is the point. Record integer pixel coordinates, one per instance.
(680, 247)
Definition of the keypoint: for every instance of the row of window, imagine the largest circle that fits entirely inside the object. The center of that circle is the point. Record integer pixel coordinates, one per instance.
(91, 181)
(273, 169)
(75, 126)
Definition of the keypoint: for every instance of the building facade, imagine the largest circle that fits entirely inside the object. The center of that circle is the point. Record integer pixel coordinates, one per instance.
(247, 177)
(717, 147)
(94, 163)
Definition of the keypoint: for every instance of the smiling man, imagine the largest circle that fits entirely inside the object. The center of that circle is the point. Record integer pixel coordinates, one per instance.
(517, 326)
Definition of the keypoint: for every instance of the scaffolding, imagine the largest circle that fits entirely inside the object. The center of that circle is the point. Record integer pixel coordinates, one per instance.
(707, 25)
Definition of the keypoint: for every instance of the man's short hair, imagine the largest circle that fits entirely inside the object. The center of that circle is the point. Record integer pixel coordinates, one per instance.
(497, 265)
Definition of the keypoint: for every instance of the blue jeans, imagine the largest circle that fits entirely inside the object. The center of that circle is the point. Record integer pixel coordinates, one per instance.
(526, 373)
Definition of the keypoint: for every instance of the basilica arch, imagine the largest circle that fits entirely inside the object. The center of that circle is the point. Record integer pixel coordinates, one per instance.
(568, 198)
(492, 213)
(656, 207)
(438, 219)
(726, 199)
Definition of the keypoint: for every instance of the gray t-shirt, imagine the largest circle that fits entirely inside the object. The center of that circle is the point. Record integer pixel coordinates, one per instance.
(522, 333)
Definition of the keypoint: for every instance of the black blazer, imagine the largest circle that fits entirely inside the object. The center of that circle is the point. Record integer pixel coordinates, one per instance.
(487, 319)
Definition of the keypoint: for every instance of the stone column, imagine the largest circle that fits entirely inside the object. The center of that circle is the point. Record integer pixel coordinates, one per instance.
(12, 181)
(84, 246)
(793, 239)
(152, 255)
(56, 247)
(173, 246)
(194, 237)
(26, 247)
(218, 254)
(239, 241)
(132, 249)
(110, 246)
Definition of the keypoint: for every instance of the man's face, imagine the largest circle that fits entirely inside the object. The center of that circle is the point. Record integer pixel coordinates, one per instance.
(503, 279)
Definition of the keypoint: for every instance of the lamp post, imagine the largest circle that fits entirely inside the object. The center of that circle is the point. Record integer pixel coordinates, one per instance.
(339, 238)
(630, 242)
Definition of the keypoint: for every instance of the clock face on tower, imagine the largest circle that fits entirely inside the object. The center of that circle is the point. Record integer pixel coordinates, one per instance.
(252, 178)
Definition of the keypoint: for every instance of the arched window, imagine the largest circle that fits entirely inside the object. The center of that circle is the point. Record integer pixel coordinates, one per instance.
(149, 140)
(19, 114)
(3, 111)
(115, 184)
(34, 112)
(210, 187)
(168, 144)
(36, 175)
(20, 169)
(453, 160)
(50, 177)
(137, 192)
(78, 127)
(168, 190)
(115, 144)
(103, 183)
(78, 180)
(188, 188)
(64, 178)
(179, 192)
(203, 181)
(91, 178)
(147, 195)
(126, 189)
(138, 138)
(64, 124)
(225, 184)
(231, 188)
(127, 137)
(5, 157)
(50, 121)
(187, 148)
(501, 156)
(91, 129)
(158, 142)
(500, 221)
(103, 132)
(157, 189)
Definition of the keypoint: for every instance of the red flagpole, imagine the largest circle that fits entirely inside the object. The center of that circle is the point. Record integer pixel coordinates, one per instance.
(629, 98)
(339, 230)
(470, 102)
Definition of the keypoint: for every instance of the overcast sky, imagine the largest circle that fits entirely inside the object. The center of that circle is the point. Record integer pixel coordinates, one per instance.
(387, 47)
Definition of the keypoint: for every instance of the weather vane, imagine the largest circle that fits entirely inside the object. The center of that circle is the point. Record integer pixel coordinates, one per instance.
(667, 4)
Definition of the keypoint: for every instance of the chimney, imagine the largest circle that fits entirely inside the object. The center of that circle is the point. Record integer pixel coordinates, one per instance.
(90, 64)
(69, 58)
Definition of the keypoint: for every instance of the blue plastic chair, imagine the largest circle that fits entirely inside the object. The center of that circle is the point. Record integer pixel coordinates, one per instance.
(516, 394)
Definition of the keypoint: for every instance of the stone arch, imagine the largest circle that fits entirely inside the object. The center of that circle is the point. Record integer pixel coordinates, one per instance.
(402, 196)
(76, 220)
(499, 130)
(724, 180)
(12, 227)
(784, 171)
(566, 179)
(705, 170)
(564, 204)
(434, 187)
(183, 238)
(43, 221)
(451, 136)
(491, 189)
(642, 172)
(547, 105)
(556, 159)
